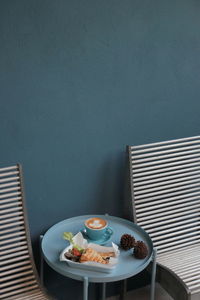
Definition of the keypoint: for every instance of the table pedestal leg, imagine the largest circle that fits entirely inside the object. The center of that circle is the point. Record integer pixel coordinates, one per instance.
(153, 275)
(123, 289)
(85, 288)
(104, 291)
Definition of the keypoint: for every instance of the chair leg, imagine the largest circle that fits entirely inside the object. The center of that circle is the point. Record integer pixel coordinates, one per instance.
(153, 275)
(104, 291)
(41, 262)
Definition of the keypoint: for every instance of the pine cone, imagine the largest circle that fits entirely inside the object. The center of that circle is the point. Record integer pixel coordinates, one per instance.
(127, 241)
(140, 250)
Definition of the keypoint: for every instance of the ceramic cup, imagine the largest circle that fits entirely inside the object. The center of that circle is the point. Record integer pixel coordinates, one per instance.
(96, 228)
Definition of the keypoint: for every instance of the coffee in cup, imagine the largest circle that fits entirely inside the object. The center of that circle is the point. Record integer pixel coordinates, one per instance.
(96, 223)
(96, 228)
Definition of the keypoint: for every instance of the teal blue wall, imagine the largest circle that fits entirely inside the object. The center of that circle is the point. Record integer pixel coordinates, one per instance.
(79, 80)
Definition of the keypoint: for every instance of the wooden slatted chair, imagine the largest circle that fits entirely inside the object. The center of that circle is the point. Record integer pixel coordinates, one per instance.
(165, 188)
(18, 275)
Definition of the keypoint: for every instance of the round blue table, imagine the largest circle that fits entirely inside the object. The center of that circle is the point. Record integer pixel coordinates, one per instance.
(53, 243)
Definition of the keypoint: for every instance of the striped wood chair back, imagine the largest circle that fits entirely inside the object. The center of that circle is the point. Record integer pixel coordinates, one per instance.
(18, 275)
(165, 179)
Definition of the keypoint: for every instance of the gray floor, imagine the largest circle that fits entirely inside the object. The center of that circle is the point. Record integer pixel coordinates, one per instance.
(144, 294)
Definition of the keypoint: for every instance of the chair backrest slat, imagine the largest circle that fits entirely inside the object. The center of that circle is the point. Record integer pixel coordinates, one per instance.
(19, 251)
(13, 291)
(13, 250)
(7, 220)
(12, 229)
(13, 266)
(11, 225)
(8, 174)
(17, 269)
(13, 282)
(11, 200)
(16, 275)
(165, 184)
(10, 195)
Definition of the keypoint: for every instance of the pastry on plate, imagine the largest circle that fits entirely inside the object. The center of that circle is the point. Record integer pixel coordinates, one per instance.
(91, 255)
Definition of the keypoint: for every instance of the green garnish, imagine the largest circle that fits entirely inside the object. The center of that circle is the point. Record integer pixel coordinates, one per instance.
(69, 237)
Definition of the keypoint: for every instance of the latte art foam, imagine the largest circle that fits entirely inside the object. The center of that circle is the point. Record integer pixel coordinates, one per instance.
(96, 223)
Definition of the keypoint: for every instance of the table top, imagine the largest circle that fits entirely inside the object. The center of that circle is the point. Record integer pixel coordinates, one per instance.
(128, 266)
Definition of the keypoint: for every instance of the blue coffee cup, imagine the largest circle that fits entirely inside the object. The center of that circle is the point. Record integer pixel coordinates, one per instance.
(96, 228)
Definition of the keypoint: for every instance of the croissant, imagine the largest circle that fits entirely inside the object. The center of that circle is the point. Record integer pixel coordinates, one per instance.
(91, 255)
